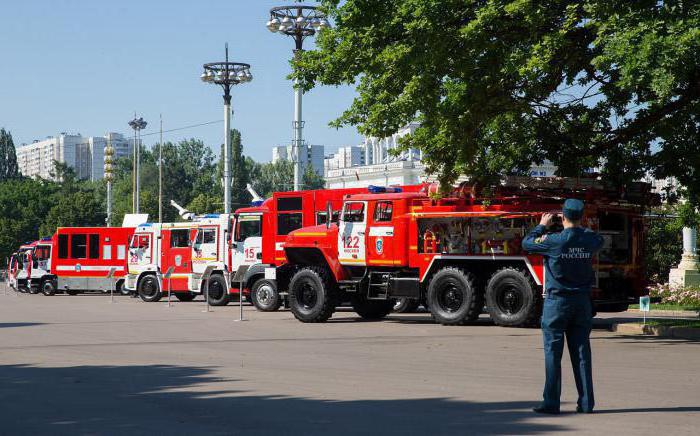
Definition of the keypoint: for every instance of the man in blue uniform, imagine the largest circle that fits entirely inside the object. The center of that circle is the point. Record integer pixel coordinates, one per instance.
(567, 307)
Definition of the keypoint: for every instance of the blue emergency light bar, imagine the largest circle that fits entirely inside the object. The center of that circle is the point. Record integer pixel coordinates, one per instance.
(257, 203)
(383, 189)
(212, 215)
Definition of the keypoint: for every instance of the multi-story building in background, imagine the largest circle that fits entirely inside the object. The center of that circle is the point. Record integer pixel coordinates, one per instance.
(85, 155)
(346, 157)
(308, 155)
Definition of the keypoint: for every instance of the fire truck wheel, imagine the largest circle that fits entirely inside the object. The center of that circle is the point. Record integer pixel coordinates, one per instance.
(264, 296)
(452, 298)
(513, 299)
(48, 288)
(121, 288)
(371, 309)
(406, 305)
(149, 290)
(72, 291)
(33, 290)
(185, 296)
(216, 291)
(312, 294)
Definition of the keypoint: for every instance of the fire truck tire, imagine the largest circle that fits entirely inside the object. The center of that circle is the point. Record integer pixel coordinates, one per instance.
(371, 309)
(185, 296)
(33, 290)
(312, 294)
(72, 291)
(406, 305)
(48, 288)
(264, 296)
(513, 299)
(149, 289)
(217, 293)
(121, 288)
(452, 298)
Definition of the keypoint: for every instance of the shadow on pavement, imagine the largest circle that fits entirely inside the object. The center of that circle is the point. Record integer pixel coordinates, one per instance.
(18, 324)
(161, 399)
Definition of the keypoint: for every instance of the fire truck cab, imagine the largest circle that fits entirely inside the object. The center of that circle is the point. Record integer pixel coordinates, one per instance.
(459, 254)
(20, 268)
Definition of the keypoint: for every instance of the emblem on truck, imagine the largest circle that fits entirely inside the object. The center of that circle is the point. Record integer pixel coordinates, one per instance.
(379, 245)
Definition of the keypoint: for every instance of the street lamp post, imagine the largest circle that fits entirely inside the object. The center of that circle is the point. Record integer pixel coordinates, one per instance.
(137, 124)
(226, 74)
(109, 176)
(297, 21)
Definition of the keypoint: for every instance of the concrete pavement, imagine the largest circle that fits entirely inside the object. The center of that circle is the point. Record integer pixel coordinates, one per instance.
(80, 365)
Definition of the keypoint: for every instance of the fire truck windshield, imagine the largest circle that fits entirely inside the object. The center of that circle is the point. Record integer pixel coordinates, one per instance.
(248, 226)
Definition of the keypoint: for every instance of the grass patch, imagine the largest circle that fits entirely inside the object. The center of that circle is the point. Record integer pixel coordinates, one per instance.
(660, 306)
(694, 323)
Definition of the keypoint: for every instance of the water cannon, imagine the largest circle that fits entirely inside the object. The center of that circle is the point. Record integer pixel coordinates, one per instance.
(184, 213)
(257, 199)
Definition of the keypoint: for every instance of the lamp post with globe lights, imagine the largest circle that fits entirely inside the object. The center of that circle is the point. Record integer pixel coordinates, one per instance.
(109, 176)
(298, 21)
(226, 74)
(137, 124)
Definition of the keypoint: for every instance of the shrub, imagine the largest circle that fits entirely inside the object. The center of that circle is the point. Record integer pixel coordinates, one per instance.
(674, 294)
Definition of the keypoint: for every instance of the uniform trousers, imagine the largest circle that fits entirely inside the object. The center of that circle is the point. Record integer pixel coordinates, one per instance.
(567, 315)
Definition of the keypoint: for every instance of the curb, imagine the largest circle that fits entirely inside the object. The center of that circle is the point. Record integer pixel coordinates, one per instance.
(668, 313)
(679, 332)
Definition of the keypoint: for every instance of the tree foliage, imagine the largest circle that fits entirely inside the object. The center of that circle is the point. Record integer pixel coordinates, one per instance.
(499, 84)
(8, 156)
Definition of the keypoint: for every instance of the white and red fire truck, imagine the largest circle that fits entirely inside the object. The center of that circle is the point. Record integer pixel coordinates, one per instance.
(461, 253)
(20, 268)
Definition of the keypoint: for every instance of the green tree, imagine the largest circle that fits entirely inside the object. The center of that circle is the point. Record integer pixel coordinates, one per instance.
(279, 176)
(8, 157)
(499, 84)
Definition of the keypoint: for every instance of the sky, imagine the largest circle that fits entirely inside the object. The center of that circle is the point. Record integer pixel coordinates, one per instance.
(85, 67)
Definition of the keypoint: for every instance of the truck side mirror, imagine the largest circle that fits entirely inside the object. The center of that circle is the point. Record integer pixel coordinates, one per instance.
(329, 215)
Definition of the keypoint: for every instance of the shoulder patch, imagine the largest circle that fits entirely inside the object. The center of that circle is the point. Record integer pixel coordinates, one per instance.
(540, 239)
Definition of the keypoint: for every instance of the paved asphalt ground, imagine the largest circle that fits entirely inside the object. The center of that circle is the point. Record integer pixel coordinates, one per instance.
(80, 365)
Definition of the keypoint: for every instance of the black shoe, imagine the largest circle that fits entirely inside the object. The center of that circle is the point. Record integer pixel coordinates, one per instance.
(542, 409)
(579, 409)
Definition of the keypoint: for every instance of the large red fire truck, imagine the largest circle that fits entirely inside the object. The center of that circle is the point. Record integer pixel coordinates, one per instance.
(460, 253)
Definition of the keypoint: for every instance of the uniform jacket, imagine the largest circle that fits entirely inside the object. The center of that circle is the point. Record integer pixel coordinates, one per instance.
(567, 256)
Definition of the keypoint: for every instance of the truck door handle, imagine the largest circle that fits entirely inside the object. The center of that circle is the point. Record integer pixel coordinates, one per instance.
(361, 233)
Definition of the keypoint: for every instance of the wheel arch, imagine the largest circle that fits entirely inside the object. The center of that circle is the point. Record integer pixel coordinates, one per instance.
(308, 256)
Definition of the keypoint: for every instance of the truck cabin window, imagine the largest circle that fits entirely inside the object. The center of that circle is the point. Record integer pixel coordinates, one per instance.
(63, 246)
(354, 212)
(78, 246)
(383, 211)
(140, 241)
(94, 246)
(205, 236)
(249, 226)
(321, 217)
(287, 222)
(179, 238)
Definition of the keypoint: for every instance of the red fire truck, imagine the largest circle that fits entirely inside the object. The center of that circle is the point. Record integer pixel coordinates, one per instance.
(460, 253)
(80, 258)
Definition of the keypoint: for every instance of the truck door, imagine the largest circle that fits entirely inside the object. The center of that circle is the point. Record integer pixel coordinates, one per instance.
(351, 233)
(177, 252)
(205, 249)
(380, 236)
(140, 250)
(247, 239)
